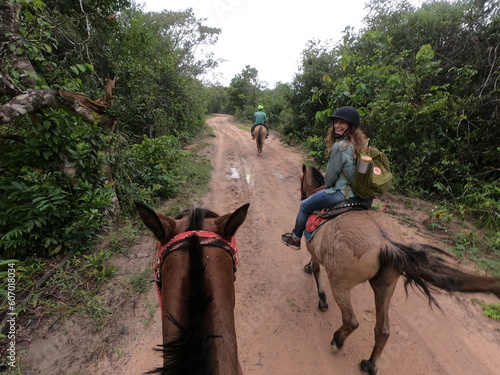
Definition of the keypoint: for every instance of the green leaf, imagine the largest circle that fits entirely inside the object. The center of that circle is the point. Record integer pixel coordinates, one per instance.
(492, 311)
(55, 250)
(8, 261)
(425, 53)
(29, 16)
(18, 185)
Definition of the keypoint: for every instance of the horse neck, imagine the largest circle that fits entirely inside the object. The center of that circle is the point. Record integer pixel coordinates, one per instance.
(311, 186)
(218, 282)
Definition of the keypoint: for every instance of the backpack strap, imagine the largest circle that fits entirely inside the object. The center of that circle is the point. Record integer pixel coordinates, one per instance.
(350, 182)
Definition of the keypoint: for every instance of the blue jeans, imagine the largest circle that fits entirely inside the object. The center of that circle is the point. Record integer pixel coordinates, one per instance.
(317, 201)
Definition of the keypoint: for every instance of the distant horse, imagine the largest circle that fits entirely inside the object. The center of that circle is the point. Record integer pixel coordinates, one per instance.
(260, 133)
(195, 279)
(359, 246)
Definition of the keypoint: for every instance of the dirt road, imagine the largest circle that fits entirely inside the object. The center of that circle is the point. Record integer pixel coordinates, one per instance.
(280, 330)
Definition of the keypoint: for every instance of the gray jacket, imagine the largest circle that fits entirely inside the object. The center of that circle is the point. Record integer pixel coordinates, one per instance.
(342, 158)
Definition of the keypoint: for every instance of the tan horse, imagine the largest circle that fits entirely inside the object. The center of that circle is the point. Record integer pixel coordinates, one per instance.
(260, 133)
(195, 278)
(360, 246)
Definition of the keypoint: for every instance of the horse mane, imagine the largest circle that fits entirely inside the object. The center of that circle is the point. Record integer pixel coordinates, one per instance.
(189, 352)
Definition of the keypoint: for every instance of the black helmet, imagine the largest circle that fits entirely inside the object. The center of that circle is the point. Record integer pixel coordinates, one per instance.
(349, 114)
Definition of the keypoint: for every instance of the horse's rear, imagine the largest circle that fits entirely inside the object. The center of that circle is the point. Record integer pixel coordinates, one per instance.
(360, 246)
(196, 266)
(344, 248)
(260, 133)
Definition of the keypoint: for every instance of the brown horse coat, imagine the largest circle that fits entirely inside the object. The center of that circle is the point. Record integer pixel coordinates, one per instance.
(197, 292)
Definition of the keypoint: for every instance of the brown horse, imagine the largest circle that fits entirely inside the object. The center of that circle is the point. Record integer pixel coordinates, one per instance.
(195, 278)
(359, 246)
(260, 133)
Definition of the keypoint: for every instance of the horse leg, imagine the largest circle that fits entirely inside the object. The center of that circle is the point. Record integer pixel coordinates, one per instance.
(383, 285)
(308, 267)
(349, 322)
(315, 270)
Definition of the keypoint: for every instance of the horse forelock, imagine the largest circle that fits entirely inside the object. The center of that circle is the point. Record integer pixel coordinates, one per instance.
(196, 217)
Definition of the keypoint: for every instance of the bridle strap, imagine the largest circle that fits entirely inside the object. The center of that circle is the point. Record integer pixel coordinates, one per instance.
(181, 241)
(318, 189)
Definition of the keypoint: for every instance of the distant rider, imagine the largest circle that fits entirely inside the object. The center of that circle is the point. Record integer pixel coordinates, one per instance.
(260, 118)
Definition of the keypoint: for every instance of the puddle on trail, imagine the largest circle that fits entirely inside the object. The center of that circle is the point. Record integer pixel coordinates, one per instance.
(235, 173)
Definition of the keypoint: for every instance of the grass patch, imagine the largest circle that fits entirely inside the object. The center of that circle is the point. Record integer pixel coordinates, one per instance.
(123, 237)
(140, 282)
(19, 368)
(73, 290)
(151, 311)
(293, 305)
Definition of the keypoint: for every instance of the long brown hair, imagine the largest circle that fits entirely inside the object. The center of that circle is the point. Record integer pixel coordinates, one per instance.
(355, 136)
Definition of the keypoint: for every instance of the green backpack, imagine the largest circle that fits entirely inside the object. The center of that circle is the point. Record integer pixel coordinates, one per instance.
(376, 180)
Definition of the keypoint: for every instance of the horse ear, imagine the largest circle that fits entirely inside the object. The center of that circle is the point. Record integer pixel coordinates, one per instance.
(304, 168)
(161, 226)
(228, 224)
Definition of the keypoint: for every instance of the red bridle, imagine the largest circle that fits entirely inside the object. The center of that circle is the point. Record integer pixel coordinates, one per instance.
(180, 242)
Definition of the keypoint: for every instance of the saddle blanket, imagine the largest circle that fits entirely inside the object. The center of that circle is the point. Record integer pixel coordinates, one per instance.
(314, 221)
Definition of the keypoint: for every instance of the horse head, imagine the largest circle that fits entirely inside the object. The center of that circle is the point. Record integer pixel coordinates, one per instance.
(165, 228)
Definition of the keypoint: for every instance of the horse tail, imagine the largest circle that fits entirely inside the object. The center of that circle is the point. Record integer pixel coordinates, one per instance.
(188, 353)
(260, 137)
(424, 267)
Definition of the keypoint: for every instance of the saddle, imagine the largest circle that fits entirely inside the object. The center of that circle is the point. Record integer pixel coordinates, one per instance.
(318, 218)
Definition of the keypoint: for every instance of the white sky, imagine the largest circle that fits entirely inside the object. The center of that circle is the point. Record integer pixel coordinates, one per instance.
(268, 35)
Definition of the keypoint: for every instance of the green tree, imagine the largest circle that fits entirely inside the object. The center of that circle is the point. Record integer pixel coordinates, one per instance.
(306, 98)
(243, 92)
(79, 83)
(218, 99)
(422, 79)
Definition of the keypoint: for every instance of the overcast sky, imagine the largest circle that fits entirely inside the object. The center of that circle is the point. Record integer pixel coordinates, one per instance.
(268, 35)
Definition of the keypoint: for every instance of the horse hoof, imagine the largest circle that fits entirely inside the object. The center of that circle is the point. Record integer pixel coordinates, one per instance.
(337, 342)
(334, 346)
(322, 306)
(308, 269)
(367, 366)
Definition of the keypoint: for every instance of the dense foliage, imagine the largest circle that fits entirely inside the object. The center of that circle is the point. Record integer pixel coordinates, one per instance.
(64, 177)
(425, 82)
